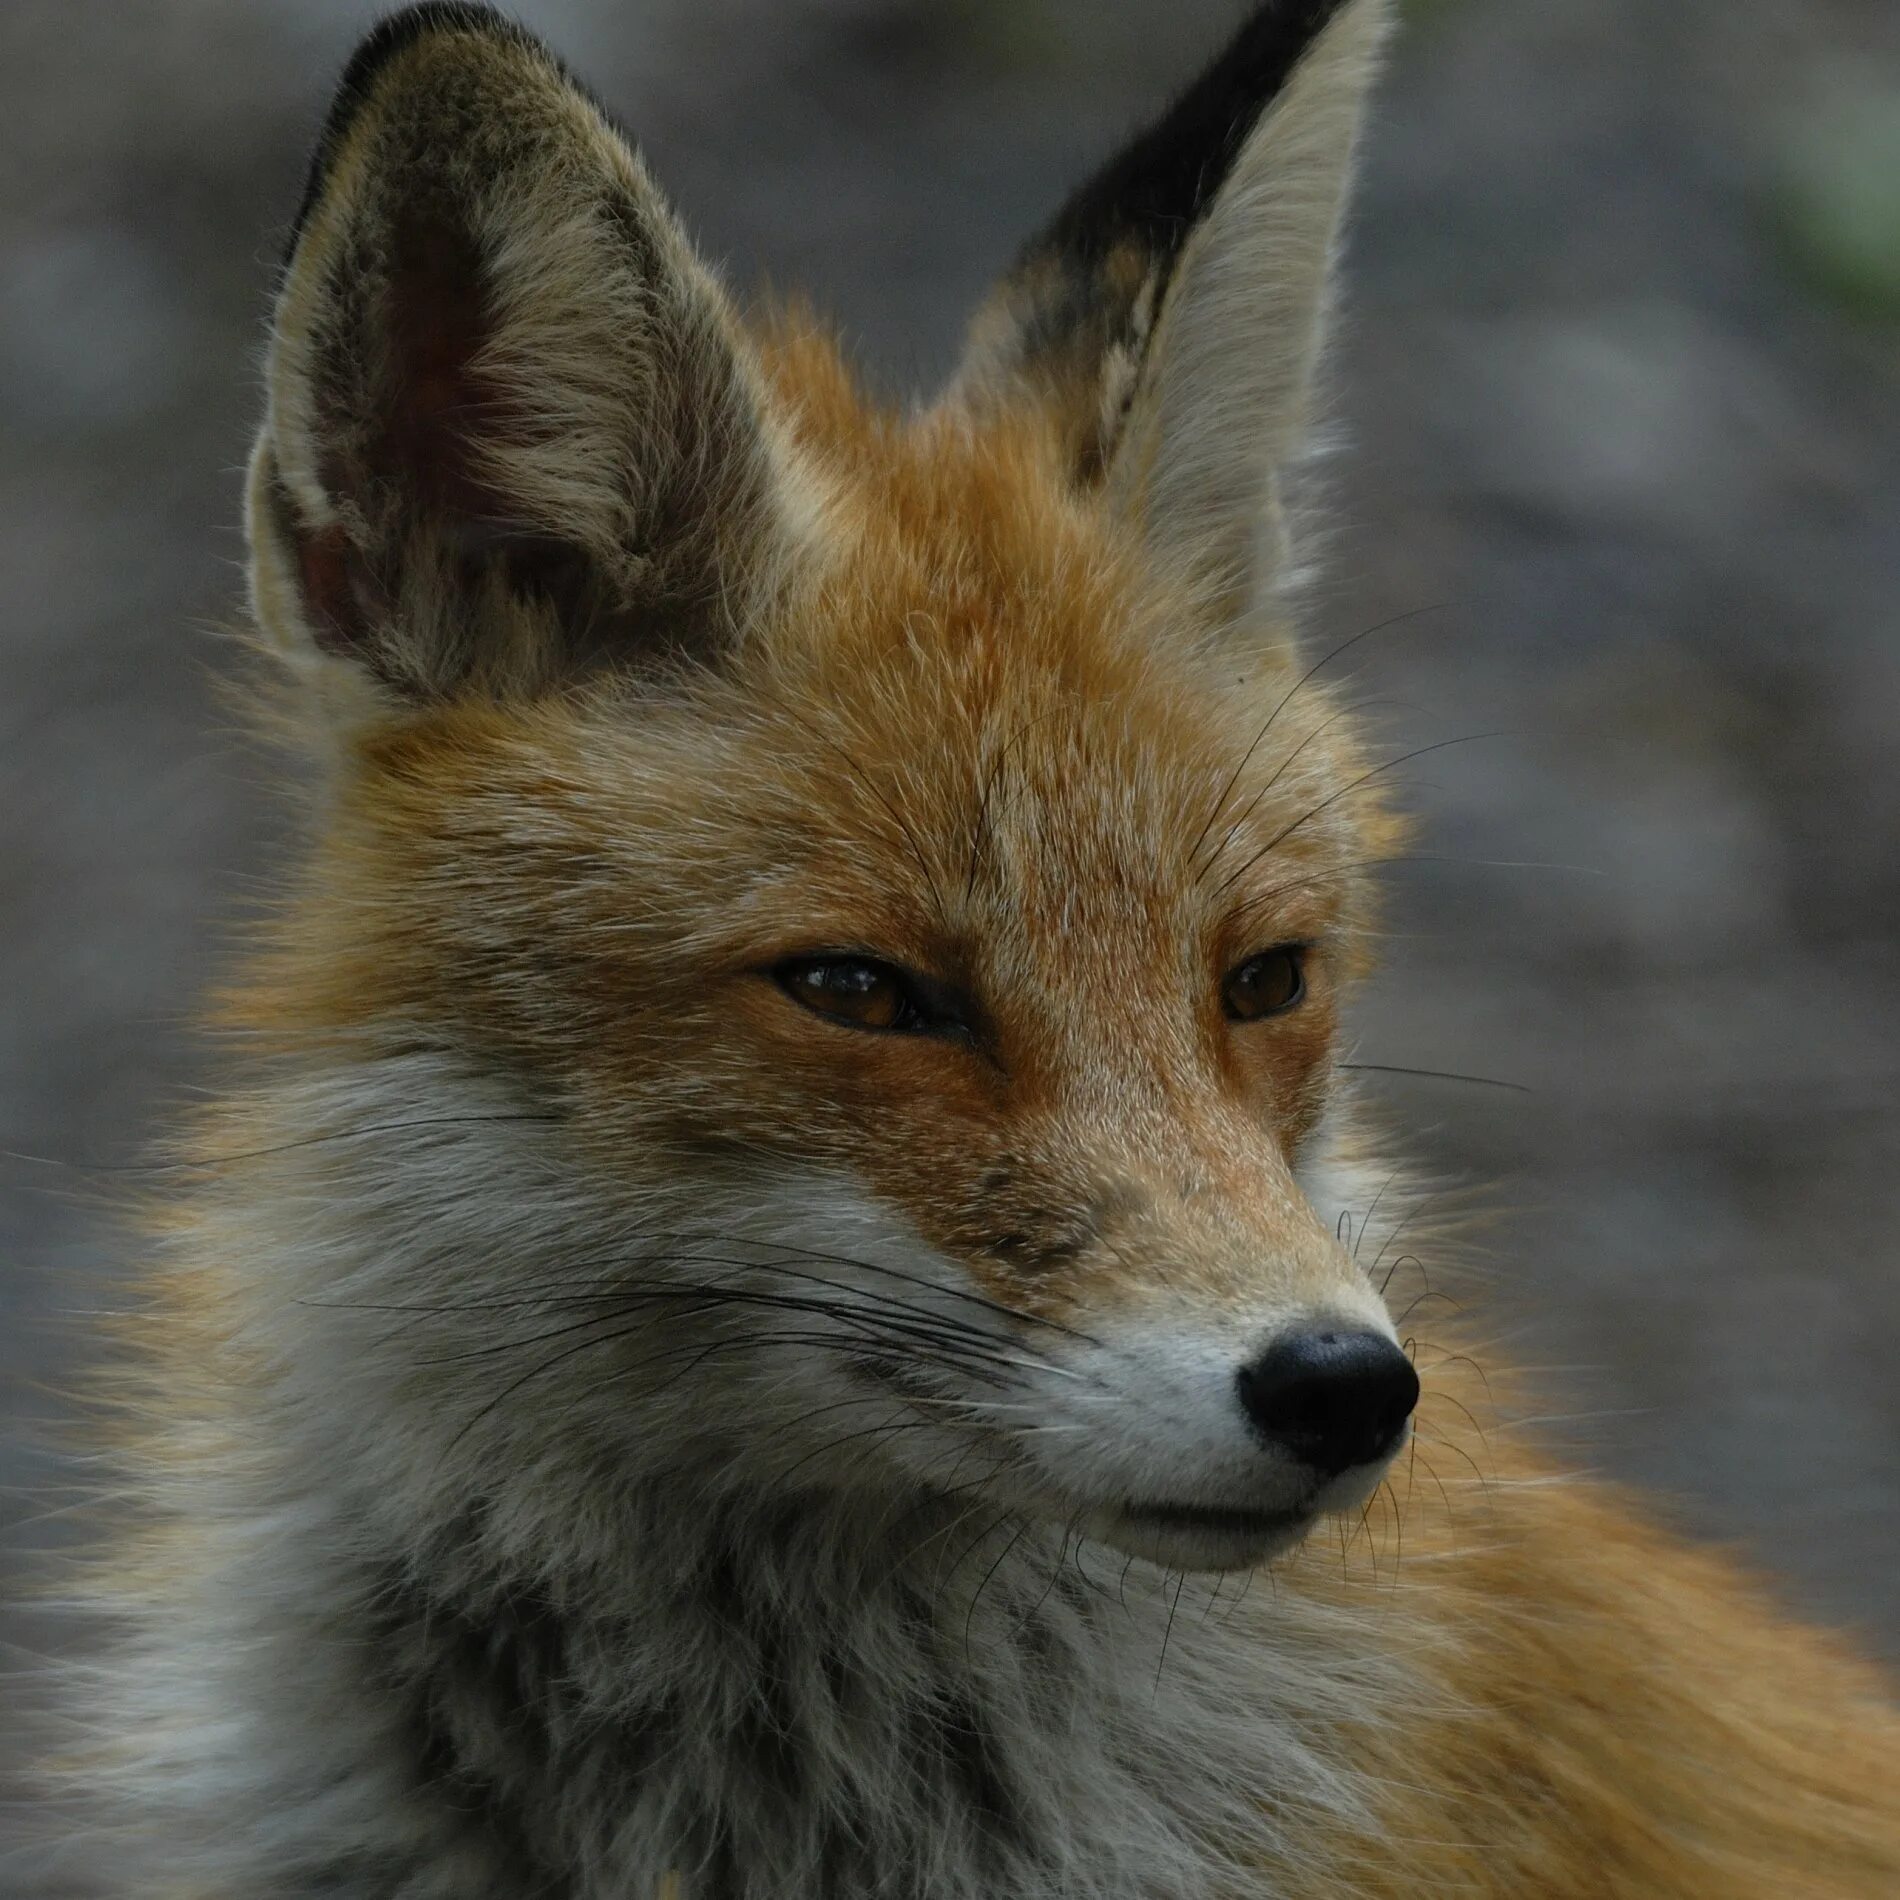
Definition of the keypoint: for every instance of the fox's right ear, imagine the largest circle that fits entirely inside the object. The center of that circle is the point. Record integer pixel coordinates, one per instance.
(513, 426)
(1167, 323)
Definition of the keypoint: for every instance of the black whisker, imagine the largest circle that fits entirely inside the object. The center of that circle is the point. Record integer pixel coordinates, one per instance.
(918, 1280)
(1451, 1445)
(697, 1298)
(1345, 791)
(1438, 1075)
(1411, 1214)
(1430, 1293)
(1167, 1634)
(1431, 1471)
(1445, 1398)
(1465, 1359)
(277, 1148)
(1279, 772)
(920, 1318)
(1318, 666)
(1366, 1226)
(850, 1438)
(1062, 1558)
(969, 1617)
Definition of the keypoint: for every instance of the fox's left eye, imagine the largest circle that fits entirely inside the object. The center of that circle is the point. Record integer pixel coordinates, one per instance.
(857, 991)
(1265, 985)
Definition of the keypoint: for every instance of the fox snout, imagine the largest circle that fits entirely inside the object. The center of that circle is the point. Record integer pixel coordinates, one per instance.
(1225, 1382)
(1189, 1442)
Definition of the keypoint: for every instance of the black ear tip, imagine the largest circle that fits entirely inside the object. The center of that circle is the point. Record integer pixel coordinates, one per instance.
(1161, 182)
(398, 31)
(388, 40)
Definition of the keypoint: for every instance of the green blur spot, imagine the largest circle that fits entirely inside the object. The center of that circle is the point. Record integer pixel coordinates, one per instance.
(1836, 203)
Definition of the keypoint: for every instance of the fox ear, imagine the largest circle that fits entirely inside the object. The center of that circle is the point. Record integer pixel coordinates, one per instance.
(1169, 319)
(513, 427)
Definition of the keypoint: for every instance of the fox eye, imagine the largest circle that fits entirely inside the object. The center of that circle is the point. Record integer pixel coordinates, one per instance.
(857, 991)
(1265, 985)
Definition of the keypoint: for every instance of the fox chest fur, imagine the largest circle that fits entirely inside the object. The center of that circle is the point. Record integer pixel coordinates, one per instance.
(789, 1295)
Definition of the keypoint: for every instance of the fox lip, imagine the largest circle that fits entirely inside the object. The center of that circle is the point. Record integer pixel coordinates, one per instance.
(1204, 1537)
(1217, 1520)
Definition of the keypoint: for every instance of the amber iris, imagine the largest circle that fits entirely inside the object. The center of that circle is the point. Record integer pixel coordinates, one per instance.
(853, 990)
(1265, 985)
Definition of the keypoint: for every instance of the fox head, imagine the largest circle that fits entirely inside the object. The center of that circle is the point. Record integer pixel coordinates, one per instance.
(825, 947)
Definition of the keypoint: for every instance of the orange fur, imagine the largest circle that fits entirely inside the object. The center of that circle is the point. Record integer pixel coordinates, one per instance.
(608, 742)
(1615, 1714)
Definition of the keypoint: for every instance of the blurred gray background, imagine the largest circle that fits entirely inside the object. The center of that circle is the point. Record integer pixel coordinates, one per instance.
(1619, 401)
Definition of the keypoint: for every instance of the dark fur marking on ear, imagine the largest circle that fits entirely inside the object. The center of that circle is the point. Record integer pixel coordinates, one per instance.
(436, 401)
(333, 582)
(394, 36)
(385, 42)
(1077, 311)
(1156, 188)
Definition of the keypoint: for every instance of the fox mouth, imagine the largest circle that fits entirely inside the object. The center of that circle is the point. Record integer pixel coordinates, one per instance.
(1219, 1521)
(1202, 1536)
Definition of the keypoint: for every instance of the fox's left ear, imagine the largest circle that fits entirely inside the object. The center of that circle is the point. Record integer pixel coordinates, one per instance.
(1169, 319)
(514, 430)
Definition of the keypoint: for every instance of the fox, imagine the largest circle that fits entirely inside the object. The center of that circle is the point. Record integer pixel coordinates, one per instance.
(790, 1290)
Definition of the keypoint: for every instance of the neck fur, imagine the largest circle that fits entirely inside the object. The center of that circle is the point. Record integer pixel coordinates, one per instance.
(822, 1696)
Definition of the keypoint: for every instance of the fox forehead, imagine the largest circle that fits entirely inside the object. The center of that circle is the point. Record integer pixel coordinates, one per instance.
(983, 729)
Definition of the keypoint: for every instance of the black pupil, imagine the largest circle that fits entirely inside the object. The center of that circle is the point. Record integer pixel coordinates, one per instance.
(1266, 983)
(864, 993)
(846, 980)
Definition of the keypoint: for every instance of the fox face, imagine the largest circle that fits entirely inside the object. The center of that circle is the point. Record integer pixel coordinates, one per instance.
(824, 957)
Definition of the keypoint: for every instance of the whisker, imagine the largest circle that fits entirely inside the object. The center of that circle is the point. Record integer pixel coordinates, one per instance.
(276, 1148)
(707, 1299)
(962, 1295)
(962, 1342)
(850, 1438)
(1398, 1529)
(918, 1280)
(1062, 1557)
(1445, 1398)
(1167, 1633)
(1465, 1359)
(1279, 771)
(919, 1317)
(1345, 791)
(1451, 1445)
(969, 1617)
(1359, 1240)
(1438, 1075)
(1431, 1471)
(1430, 1293)
(1299, 685)
(1411, 1214)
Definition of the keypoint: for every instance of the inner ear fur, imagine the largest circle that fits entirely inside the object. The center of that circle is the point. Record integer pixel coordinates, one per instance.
(513, 427)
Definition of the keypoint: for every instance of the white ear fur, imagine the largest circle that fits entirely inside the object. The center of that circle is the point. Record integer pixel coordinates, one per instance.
(1222, 405)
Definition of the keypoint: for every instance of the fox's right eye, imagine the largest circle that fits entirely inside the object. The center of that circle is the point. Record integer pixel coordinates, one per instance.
(857, 991)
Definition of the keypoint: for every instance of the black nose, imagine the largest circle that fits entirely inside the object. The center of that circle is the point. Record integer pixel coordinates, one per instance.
(1332, 1399)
